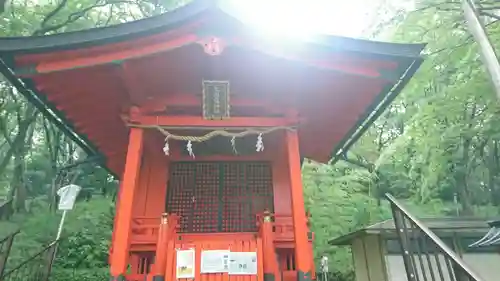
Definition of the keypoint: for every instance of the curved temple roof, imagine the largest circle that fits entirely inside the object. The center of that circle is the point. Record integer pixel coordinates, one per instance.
(78, 79)
(492, 238)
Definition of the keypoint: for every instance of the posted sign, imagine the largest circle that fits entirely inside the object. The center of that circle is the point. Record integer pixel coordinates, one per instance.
(185, 264)
(243, 263)
(215, 261)
(67, 196)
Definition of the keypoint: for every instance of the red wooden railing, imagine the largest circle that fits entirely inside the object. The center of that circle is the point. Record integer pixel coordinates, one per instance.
(145, 240)
(145, 230)
(284, 245)
(147, 244)
(235, 242)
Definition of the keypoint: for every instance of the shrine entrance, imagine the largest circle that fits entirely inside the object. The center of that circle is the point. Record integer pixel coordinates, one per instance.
(219, 196)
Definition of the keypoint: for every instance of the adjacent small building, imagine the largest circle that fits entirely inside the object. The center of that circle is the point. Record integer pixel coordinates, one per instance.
(377, 253)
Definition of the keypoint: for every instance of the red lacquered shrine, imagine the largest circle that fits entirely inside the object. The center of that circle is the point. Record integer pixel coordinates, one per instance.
(205, 121)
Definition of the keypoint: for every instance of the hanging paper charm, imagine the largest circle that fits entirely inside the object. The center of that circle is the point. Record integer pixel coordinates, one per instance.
(166, 148)
(233, 145)
(189, 148)
(260, 143)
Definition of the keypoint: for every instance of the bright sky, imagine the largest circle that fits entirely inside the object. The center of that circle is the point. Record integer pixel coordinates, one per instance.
(340, 17)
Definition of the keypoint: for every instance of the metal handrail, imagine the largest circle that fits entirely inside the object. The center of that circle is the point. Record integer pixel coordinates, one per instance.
(12, 234)
(445, 249)
(42, 271)
(5, 247)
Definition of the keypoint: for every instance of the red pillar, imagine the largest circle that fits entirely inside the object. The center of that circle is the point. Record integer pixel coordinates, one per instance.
(302, 257)
(160, 265)
(121, 243)
(267, 235)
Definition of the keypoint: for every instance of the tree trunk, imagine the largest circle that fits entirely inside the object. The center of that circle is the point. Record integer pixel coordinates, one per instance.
(53, 143)
(492, 165)
(18, 185)
(462, 180)
(20, 146)
(19, 140)
(18, 178)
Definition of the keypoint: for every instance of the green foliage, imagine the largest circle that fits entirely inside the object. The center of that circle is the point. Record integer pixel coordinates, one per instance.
(338, 204)
(436, 146)
(63, 274)
(32, 150)
(86, 235)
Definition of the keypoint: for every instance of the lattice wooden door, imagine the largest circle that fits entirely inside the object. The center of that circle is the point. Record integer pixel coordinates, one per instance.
(219, 196)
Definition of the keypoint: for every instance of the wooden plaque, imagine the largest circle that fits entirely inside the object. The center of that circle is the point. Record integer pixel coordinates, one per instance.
(215, 99)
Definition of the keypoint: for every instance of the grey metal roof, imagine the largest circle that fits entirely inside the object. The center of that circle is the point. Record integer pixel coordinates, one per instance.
(439, 223)
(447, 224)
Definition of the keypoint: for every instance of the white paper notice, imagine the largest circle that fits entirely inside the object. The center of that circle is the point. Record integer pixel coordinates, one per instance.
(67, 196)
(243, 263)
(215, 261)
(185, 264)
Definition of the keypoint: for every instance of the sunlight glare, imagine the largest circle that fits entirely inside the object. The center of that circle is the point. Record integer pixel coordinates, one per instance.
(294, 18)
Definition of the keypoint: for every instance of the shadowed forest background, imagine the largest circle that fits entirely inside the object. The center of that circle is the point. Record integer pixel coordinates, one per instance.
(437, 147)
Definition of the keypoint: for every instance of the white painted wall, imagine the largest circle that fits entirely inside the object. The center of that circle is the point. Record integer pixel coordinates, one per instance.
(486, 265)
(372, 263)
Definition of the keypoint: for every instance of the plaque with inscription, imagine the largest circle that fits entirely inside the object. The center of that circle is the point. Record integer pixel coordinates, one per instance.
(215, 99)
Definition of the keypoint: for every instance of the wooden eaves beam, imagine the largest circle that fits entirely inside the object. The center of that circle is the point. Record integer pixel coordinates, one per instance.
(159, 104)
(198, 121)
(86, 59)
